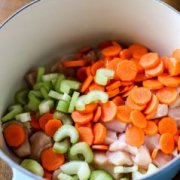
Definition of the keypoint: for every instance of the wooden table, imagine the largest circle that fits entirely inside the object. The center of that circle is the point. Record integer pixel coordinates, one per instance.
(7, 7)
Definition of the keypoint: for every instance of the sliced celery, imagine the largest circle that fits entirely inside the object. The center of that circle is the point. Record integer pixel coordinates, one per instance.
(100, 175)
(67, 85)
(23, 117)
(95, 96)
(55, 95)
(58, 82)
(122, 169)
(40, 73)
(44, 92)
(83, 149)
(13, 111)
(35, 93)
(45, 106)
(103, 76)
(66, 97)
(21, 96)
(73, 101)
(80, 103)
(49, 77)
(66, 131)
(80, 168)
(61, 147)
(33, 166)
(62, 106)
(65, 118)
(46, 85)
(63, 176)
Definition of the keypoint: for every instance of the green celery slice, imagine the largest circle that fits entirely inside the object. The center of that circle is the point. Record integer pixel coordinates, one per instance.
(40, 73)
(73, 101)
(63, 106)
(67, 85)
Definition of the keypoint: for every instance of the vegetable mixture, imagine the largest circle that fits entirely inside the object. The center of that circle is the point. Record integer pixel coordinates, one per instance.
(107, 113)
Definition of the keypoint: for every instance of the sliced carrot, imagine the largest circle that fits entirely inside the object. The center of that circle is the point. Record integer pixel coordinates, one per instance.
(86, 83)
(176, 138)
(167, 125)
(81, 118)
(86, 135)
(154, 153)
(44, 119)
(167, 95)
(151, 128)
(151, 115)
(139, 67)
(113, 86)
(140, 77)
(34, 122)
(123, 114)
(152, 105)
(100, 133)
(176, 54)
(127, 70)
(50, 160)
(156, 71)
(77, 125)
(90, 108)
(165, 60)
(52, 126)
(133, 105)
(173, 66)
(105, 44)
(178, 145)
(137, 50)
(96, 66)
(109, 110)
(113, 65)
(113, 93)
(100, 147)
(153, 84)
(74, 63)
(166, 143)
(126, 83)
(88, 71)
(47, 175)
(95, 86)
(134, 136)
(81, 74)
(112, 50)
(141, 95)
(125, 54)
(169, 81)
(118, 100)
(97, 114)
(128, 90)
(138, 119)
(149, 60)
(14, 134)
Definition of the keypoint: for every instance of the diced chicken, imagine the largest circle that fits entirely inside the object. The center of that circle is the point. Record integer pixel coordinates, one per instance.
(176, 103)
(116, 126)
(162, 159)
(24, 150)
(175, 152)
(152, 142)
(162, 110)
(39, 142)
(110, 137)
(100, 158)
(119, 158)
(175, 114)
(142, 158)
(121, 144)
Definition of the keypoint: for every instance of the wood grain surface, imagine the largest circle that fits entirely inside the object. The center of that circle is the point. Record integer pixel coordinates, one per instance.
(7, 7)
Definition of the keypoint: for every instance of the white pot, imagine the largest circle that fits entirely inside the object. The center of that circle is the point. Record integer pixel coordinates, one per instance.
(44, 26)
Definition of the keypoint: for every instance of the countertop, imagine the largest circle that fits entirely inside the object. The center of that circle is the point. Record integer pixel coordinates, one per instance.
(7, 7)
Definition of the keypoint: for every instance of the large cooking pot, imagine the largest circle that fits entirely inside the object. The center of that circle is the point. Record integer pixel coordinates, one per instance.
(44, 26)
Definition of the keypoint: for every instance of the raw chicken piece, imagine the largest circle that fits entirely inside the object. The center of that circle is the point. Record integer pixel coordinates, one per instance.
(176, 103)
(121, 144)
(162, 159)
(178, 90)
(116, 125)
(110, 137)
(162, 110)
(152, 142)
(175, 152)
(100, 158)
(143, 158)
(119, 158)
(175, 114)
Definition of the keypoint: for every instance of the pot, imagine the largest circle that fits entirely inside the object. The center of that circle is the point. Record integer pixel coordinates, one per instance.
(44, 27)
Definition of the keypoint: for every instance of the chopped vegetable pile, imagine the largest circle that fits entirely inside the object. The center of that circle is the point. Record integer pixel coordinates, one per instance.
(107, 113)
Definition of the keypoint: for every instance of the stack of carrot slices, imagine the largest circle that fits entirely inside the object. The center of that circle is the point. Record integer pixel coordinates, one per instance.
(142, 80)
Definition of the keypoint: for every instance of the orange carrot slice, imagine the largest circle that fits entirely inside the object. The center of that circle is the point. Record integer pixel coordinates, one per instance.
(167, 95)
(86, 83)
(125, 54)
(153, 84)
(113, 93)
(166, 143)
(123, 114)
(95, 86)
(176, 54)
(113, 86)
(167, 125)
(96, 66)
(151, 128)
(109, 110)
(118, 100)
(100, 133)
(90, 108)
(97, 114)
(74, 63)
(134, 136)
(154, 153)
(44, 119)
(173, 66)
(100, 147)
